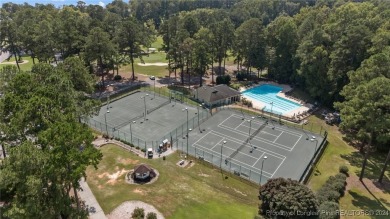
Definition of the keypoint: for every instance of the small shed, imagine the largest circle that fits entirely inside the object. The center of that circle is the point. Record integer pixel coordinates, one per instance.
(142, 172)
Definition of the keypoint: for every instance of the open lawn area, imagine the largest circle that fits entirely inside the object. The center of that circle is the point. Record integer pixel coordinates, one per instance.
(368, 196)
(196, 191)
(25, 66)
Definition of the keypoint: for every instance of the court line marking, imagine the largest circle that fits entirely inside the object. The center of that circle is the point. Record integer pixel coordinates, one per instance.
(238, 125)
(240, 142)
(258, 159)
(202, 137)
(279, 128)
(217, 143)
(296, 143)
(278, 168)
(229, 118)
(260, 131)
(248, 166)
(284, 147)
(279, 136)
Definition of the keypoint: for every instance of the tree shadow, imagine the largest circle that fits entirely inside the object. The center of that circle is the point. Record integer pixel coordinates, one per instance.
(373, 168)
(365, 203)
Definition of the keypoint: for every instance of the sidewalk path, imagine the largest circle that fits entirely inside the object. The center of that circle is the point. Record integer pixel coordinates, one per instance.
(90, 200)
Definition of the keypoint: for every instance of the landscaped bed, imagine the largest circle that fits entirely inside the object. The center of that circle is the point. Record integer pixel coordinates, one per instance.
(196, 191)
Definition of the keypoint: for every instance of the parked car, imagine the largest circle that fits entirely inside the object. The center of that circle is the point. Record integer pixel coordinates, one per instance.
(152, 77)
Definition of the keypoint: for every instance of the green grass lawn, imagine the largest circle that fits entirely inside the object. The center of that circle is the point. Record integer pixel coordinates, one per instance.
(158, 71)
(192, 192)
(158, 43)
(357, 197)
(23, 66)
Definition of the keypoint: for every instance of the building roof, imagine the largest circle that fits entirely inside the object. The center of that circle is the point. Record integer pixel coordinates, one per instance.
(142, 168)
(212, 94)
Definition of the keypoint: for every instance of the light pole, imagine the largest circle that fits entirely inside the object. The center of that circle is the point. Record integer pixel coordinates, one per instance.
(262, 163)
(131, 133)
(313, 139)
(108, 102)
(144, 97)
(105, 120)
(186, 109)
(250, 125)
(220, 165)
(272, 104)
(154, 88)
(200, 105)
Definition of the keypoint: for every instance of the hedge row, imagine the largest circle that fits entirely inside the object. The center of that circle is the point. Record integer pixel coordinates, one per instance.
(329, 194)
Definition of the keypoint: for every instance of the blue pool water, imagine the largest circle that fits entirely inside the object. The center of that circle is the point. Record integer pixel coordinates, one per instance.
(267, 94)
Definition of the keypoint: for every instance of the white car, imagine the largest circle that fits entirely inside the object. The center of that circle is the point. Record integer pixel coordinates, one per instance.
(152, 77)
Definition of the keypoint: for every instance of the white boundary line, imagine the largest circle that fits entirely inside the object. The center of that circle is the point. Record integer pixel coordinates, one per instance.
(248, 166)
(296, 143)
(217, 144)
(255, 128)
(278, 168)
(202, 137)
(240, 142)
(280, 135)
(258, 159)
(284, 147)
(279, 128)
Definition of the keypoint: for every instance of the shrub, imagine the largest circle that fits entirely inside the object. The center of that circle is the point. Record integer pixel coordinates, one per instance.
(290, 196)
(143, 150)
(151, 215)
(223, 79)
(137, 148)
(117, 77)
(344, 169)
(329, 210)
(138, 213)
(341, 176)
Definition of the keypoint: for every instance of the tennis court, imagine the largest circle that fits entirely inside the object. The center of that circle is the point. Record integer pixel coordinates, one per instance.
(252, 147)
(126, 118)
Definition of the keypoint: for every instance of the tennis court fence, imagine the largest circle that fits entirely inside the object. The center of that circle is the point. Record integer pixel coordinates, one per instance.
(134, 140)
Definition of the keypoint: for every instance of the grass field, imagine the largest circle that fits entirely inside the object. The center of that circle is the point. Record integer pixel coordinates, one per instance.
(192, 192)
(23, 66)
(359, 196)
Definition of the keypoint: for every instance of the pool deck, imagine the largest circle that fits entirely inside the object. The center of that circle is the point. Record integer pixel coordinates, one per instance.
(293, 113)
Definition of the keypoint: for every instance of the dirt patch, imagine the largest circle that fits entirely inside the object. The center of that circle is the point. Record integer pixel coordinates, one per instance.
(112, 178)
(127, 161)
(100, 187)
(204, 175)
(139, 191)
(126, 208)
(239, 192)
(367, 184)
(153, 64)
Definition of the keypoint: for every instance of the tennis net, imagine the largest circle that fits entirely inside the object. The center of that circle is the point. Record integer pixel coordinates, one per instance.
(157, 107)
(246, 141)
(128, 122)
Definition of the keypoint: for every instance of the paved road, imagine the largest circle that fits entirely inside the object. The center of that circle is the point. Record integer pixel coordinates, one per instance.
(90, 200)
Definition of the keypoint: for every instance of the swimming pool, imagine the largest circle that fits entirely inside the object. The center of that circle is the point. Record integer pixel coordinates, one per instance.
(267, 94)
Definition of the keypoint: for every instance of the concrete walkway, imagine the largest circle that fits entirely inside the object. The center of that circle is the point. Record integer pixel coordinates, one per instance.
(87, 196)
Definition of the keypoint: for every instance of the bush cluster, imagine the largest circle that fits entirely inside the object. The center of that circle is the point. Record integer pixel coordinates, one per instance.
(329, 194)
(223, 79)
(117, 77)
(151, 215)
(246, 102)
(138, 213)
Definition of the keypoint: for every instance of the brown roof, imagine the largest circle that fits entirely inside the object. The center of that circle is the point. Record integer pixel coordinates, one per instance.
(142, 168)
(219, 92)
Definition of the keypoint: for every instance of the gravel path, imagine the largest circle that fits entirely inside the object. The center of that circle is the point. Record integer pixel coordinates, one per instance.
(126, 208)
